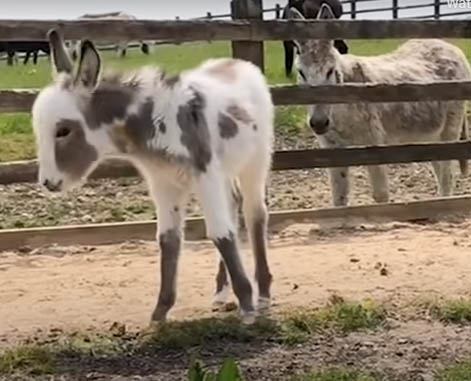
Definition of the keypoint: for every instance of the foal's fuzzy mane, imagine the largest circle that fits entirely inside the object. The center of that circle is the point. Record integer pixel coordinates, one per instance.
(119, 77)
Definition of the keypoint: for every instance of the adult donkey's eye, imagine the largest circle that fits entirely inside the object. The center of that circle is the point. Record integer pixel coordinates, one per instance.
(62, 132)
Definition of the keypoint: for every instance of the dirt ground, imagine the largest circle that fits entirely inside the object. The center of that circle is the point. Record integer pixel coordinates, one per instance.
(83, 287)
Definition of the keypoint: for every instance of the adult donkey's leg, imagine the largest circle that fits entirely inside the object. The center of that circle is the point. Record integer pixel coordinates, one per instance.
(339, 177)
(170, 214)
(379, 182)
(212, 191)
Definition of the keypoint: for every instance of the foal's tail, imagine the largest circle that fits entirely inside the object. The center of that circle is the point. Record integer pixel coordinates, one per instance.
(464, 164)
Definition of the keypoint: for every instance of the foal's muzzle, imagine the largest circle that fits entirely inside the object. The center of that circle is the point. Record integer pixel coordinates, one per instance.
(53, 187)
(319, 126)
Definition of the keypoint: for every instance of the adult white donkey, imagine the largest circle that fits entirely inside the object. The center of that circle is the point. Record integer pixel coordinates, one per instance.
(204, 130)
(343, 125)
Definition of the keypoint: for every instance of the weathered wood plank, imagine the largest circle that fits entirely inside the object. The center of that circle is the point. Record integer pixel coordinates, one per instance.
(241, 30)
(371, 92)
(26, 171)
(22, 100)
(17, 100)
(101, 234)
(251, 51)
(355, 156)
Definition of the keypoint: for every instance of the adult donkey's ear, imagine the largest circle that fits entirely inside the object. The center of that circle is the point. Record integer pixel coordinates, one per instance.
(294, 14)
(326, 13)
(61, 61)
(89, 66)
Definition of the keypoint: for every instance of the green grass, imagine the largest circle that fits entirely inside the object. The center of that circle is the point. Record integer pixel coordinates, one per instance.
(15, 129)
(341, 317)
(453, 311)
(203, 332)
(334, 374)
(456, 372)
(29, 360)
(229, 371)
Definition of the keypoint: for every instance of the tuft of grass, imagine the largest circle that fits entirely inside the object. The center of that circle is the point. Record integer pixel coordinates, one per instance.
(341, 317)
(334, 374)
(229, 371)
(29, 360)
(91, 344)
(457, 372)
(453, 311)
(203, 332)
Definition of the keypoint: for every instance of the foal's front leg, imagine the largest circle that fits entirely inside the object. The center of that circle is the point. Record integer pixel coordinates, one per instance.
(170, 214)
(212, 191)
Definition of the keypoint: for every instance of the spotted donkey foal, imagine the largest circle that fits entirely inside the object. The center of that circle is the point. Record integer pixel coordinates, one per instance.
(204, 130)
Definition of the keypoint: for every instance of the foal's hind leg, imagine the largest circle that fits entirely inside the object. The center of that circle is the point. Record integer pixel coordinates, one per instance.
(211, 189)
(222, 280)
(379, 182)
(253, 183)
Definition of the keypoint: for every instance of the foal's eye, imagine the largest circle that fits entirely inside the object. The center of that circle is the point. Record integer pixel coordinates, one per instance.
(63, 132)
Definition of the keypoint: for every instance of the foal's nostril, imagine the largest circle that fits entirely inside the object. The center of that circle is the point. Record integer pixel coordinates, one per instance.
(52, 187)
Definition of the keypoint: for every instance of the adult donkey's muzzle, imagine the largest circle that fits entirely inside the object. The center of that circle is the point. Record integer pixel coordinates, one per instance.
(319, 125)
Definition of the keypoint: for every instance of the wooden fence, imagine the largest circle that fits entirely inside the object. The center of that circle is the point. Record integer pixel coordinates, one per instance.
(248, 32)
(433, 9)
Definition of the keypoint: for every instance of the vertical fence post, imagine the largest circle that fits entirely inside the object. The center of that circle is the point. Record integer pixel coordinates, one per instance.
(395, 10)
(177, 42)
(436, 9)
(353, 9)
(278, 11)
(248, 50)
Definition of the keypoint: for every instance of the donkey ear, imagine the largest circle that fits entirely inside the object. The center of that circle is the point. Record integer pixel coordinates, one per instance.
(89, 65)
(325, 13)
(294, 14)
(61, 61)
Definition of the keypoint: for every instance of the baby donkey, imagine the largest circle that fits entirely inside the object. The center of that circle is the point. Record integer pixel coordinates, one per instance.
(209, 130)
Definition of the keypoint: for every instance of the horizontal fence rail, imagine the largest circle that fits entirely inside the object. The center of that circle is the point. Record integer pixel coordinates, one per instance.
(239, 30)
(17, 100)
(109, 233)
(27, 171)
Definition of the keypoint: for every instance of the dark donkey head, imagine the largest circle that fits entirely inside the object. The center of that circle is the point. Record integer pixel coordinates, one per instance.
(310, 9)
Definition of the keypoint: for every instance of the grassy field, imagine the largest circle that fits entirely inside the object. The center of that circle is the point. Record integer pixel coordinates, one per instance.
(15, 129)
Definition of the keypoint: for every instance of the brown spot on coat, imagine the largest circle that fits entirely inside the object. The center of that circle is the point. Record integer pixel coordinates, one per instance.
(74, 155)
(140, 126)
(195, 132)
(239, 113)
(108, 102)
(171, 81)
(162, 127)
(227, 127)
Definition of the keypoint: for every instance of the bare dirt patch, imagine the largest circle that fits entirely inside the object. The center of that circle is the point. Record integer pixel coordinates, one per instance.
(76, 288)
(80, 287)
